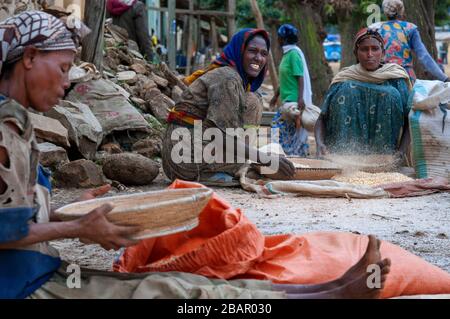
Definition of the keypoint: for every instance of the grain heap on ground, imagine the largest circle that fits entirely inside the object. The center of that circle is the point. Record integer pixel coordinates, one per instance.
(372, 179)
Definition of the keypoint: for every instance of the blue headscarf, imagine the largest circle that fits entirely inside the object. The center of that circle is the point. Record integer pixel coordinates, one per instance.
(288, 32)
(233, 54)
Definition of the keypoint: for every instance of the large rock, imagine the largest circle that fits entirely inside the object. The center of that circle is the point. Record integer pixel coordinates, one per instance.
(160, 81)
(49, 130)
(151, 93)
(80, 174)
(176, 94)
(51, 155)
(111, 148)
(139, 68)
(127, 76)
(160, 105)
(149, 148)
(148, 84)
(130, 169)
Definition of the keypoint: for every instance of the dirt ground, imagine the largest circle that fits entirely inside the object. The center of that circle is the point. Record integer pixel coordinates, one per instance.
(420, 225)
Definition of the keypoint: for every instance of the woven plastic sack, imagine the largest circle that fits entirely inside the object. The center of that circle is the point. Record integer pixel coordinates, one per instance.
(430, 129)
(83, 127)
(310, 116)
(111, 108)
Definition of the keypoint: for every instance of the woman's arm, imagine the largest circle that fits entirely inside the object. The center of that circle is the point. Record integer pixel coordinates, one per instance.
(405, 140)
(93, 227)
(273, 102)
(301, 86)
(242, 152)
(143, 37)
(425, 58)
(319, 132)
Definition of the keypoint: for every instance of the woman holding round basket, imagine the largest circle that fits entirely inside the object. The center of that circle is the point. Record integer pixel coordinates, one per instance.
(34, 45)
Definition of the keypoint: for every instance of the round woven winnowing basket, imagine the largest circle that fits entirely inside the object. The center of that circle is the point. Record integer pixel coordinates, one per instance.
(158, 213)
(309, 169)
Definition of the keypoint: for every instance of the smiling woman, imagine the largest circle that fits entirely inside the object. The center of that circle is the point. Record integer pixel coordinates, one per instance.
(217, 97)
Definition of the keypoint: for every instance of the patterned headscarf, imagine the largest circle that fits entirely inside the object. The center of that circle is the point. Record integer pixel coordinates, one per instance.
(365, 34)
(393, 8)
(36, 28)
(232, 56)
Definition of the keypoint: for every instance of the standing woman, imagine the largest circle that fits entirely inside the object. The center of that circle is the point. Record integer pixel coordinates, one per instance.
(295, 92)
(401, 38)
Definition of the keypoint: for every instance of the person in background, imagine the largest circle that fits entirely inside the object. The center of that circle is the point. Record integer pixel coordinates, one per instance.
(154, 39)
(216, 96)
(295, 92)
(367, 105)
(132, 16)
(401, 38)
(444, 53)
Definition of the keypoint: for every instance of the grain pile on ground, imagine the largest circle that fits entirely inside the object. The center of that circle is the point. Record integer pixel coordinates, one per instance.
(372, 179)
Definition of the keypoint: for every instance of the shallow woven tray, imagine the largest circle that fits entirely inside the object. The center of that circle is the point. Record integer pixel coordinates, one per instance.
(318, 170)
(158, 213)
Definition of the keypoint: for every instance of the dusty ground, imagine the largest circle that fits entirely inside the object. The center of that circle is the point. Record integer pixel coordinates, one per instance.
(419, 225)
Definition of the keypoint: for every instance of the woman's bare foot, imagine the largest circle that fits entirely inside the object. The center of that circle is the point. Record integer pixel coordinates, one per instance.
(359, 288)
(364, 287)
(371, 256)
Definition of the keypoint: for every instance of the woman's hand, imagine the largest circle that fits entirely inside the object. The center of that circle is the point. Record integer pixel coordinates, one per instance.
(301, 104)
(287, 168)
(321, 150)
(273, 102)
(276, 162)
(96, 228)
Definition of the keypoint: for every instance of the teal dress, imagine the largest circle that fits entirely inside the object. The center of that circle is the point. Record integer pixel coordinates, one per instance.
(365, 118)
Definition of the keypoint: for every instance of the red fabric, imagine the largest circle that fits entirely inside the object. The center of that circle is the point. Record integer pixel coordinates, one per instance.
(227, 245)
(118, 7)
(419, 187)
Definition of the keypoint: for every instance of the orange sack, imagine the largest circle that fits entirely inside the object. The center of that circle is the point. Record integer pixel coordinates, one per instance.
(227, 245)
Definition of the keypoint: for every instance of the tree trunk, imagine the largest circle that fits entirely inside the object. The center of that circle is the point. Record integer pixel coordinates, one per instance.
(260, 23)
(275, 48)
(94, 16)
(421, 13)
(308, 20)
(231, 21)
(190, 36)
(349, 24)
(214, 37)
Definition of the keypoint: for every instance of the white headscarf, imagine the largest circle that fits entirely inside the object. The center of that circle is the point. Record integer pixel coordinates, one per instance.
(393, 8)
